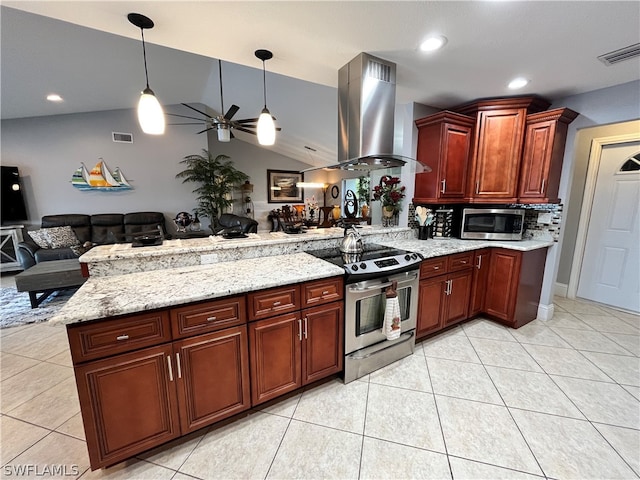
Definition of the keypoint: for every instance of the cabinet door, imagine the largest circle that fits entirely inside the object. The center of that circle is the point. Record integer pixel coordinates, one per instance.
(323, 339)
(128, 404)
(504, 272)
(497, 155)
(482, 258)
(456, 144)
(536, 159)
(275, 356)
(212, 373)
(459, 291)
(430, 304)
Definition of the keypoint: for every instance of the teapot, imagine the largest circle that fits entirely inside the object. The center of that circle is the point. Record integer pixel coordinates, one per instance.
(352, 241)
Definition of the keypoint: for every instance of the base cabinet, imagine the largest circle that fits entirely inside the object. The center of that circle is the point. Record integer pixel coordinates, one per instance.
(479, 283)
(514, 285)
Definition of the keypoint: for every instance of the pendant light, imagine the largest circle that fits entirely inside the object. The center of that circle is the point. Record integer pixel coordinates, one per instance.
(266, 127)
(150, 114)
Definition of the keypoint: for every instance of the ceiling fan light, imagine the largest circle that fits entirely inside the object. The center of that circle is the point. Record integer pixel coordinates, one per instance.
(224, 134)
(150, 114)
(266, 128)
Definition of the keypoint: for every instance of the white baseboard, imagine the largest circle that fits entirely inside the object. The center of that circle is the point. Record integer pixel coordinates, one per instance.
(545, 312)
(561, 289)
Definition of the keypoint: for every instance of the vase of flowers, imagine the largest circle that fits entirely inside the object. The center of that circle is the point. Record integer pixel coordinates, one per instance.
(390, 194)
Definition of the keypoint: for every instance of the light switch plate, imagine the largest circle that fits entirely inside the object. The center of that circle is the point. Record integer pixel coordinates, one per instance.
(544, 218)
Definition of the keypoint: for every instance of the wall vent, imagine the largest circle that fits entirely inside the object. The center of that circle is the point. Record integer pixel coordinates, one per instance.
(617, 56)
(120, 137)
(379, 71)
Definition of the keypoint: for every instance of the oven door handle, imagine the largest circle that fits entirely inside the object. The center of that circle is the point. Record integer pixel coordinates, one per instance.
(385, 285)
(355, 355)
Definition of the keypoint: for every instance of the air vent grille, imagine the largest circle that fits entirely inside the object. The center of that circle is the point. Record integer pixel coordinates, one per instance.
(620, 55)
(120, 137)
(379, 71)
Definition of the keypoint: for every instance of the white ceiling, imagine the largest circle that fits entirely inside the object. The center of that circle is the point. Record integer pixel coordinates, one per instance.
(555, 44)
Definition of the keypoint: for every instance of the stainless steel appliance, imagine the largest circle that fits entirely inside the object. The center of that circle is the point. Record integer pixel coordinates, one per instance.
(492, 223)
(367, 275)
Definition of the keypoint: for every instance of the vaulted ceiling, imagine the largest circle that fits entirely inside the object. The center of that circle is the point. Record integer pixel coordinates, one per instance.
(91, 55)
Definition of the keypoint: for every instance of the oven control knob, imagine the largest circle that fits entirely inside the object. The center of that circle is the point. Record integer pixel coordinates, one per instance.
(363, 266)
(407, 257)
(414, 255)
(354, 268)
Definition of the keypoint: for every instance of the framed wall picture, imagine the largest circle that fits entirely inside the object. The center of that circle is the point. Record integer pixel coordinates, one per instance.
(282, 188)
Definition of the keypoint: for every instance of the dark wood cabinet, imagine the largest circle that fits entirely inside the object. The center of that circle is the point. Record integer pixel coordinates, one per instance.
(514, 285)
(444, 143)
(274, 301)
(481, 262)
(545, 138)
(129, 404)
(212, 376)
(322, 346)
(443, 299)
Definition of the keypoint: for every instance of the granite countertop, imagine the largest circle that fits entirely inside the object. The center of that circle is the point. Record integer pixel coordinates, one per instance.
(447, 246)
(102, 297)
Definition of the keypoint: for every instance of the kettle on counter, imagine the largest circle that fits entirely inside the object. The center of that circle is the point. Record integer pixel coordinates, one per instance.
(352, 241)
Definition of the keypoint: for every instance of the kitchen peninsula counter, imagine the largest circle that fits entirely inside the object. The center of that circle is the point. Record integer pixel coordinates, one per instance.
(436, 247)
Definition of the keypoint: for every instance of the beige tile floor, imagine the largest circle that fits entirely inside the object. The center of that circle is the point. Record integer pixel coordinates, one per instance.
(557, 399)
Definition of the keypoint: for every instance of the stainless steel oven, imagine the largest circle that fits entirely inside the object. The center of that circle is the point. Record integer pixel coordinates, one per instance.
(367, 276)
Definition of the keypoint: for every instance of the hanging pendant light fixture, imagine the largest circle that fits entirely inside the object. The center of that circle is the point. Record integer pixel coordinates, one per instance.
(266, 127)
(150, 114)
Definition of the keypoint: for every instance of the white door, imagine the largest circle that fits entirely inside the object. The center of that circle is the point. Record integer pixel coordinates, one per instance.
(610, 271)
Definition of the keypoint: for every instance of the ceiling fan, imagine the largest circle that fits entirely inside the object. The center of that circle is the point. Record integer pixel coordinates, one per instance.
(223, 124)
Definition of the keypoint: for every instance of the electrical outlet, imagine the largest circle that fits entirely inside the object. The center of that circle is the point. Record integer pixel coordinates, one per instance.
(544, 218)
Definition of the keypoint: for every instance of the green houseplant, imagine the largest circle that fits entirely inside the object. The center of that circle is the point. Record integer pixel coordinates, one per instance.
(217, 176)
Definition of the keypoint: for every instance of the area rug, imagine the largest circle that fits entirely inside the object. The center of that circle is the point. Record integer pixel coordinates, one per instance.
(15, 308)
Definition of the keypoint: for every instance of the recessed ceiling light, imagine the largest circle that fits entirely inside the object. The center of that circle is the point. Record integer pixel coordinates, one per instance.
(54, 97)
(517, 83)
(433, 43)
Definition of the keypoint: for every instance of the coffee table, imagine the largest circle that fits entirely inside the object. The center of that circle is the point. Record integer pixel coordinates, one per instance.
(47, 277)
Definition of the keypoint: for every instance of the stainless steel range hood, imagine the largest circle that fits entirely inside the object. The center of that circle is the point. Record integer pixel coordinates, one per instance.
(366, 108)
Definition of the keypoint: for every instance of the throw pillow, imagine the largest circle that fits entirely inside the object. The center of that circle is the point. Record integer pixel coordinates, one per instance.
(39, 237)
(61, 237)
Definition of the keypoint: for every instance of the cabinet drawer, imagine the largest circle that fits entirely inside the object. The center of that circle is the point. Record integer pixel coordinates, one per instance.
(322, 291)
(208, 316)
(460, 261)
(275, 301)
(433, 267)
(106, 338)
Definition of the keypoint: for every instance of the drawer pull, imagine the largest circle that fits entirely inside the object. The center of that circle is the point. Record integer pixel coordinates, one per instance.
(275, 304)
(122, 337)
(463, 262)
(436, 268)
(211, 319)
(326, 292)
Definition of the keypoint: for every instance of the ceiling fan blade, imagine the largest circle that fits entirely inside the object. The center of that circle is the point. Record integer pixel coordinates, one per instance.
(247, 120)
(193, 108)
(188, 123)
(185, 116)
(231, 112)
(205, 130)
(245, 130)
(231, 135)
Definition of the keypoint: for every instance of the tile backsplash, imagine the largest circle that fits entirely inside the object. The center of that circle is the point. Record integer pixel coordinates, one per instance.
(542, 221)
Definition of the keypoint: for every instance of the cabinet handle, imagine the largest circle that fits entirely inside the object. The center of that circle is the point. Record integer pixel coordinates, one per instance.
(305, 327)
(326, 292)
(444, 185)
(122, 337)
(463, 262)
(477, 186)
(178, 363)
(543, 184)
(170, 369)
(449, 282)
(436, 268)
(479, 264)
(300, 330)
(275, 304)
(211, 319)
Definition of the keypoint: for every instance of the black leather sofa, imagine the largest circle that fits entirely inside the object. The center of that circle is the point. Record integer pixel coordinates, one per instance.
(230, 222)
(100, 229)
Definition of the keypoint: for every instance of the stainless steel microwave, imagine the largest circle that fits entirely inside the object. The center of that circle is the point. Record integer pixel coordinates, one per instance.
(492, 223)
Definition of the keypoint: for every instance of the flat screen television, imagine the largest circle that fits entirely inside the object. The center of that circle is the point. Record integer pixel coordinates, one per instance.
(13, 206)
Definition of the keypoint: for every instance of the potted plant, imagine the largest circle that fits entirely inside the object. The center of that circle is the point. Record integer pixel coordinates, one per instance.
(390, 194)
(217, 177)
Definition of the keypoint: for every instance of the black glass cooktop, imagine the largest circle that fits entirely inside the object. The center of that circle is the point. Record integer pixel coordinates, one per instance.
(371, 252)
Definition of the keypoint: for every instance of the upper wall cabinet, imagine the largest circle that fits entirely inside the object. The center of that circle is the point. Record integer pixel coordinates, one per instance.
(444, 143)
(545, 137)
(497, 151)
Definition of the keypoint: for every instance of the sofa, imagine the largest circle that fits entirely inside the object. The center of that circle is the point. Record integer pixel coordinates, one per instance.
(68, 236)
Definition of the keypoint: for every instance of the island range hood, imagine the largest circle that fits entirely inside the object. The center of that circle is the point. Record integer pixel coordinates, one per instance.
(366, 110)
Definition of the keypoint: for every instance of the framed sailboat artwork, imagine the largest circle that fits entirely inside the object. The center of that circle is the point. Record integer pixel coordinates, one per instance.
(99, 178)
